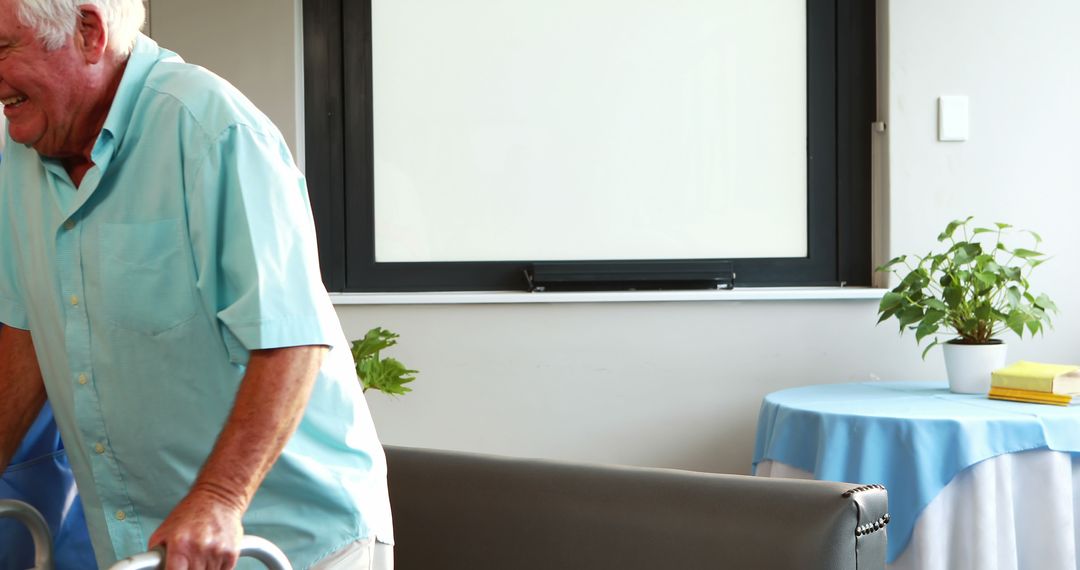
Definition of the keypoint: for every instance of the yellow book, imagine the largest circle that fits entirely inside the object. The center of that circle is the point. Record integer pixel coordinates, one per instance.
(1038, 377)
(999, 393)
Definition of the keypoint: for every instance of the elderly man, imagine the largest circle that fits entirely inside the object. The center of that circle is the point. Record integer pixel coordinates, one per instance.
(158, 275)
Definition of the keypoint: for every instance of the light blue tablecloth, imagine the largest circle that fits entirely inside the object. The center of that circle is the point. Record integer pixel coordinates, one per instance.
(912, 437)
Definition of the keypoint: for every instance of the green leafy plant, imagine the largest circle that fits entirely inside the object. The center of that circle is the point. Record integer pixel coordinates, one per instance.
(384, 374)
(978, 287)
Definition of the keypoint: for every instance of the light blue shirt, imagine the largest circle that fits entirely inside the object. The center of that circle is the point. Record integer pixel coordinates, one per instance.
(187, 245)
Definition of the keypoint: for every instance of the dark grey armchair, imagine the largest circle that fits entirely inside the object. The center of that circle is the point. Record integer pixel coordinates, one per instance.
(466, 511)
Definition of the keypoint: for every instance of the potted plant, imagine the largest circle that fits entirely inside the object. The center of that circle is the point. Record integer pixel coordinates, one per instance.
(976, 289)
(384, 374)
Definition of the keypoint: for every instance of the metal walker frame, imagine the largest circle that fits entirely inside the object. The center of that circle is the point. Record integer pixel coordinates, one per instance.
(251, 546)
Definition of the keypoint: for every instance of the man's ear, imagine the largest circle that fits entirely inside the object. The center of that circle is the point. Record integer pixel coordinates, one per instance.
(91, 33)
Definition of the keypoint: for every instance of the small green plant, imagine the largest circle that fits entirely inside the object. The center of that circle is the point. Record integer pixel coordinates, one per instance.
(383, 374)
(978, 287)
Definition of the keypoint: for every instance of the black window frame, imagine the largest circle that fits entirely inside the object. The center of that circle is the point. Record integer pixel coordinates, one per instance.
(841, 97)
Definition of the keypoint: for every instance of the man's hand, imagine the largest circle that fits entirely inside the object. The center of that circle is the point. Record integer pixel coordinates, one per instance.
(203, 532)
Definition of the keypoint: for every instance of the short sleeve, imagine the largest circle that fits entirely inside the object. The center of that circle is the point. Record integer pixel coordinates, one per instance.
(254, 243)
(12, 307)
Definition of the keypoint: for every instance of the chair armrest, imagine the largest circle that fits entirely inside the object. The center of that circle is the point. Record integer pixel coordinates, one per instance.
(461, 510)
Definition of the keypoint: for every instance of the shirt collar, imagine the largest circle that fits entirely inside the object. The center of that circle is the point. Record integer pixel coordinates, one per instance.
(144, 56)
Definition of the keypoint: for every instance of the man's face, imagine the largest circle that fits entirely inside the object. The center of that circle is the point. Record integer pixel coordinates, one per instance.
(38, 88)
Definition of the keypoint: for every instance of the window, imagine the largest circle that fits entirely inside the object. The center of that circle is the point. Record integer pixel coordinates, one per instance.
(396, 93)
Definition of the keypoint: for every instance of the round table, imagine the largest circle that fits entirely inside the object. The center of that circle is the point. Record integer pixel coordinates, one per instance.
(995, 508)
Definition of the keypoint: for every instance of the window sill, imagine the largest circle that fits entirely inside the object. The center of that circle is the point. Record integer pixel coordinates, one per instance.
(502, 297)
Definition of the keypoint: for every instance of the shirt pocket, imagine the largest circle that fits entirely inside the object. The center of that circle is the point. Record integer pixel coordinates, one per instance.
(147, 276)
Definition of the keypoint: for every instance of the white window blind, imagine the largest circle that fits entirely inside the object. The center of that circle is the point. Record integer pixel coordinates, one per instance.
(609, 129)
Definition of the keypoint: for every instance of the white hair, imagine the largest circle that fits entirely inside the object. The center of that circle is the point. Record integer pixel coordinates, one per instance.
(55, 20)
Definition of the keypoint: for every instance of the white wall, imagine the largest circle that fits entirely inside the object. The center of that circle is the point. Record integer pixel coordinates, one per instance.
(679, 384)
(252, 43)
(1014, 60)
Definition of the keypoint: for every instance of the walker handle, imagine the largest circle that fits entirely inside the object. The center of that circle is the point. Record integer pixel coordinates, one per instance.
(39, 530)
(252, 546)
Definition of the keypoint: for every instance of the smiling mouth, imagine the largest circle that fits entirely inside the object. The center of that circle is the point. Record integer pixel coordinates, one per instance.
(13, 101)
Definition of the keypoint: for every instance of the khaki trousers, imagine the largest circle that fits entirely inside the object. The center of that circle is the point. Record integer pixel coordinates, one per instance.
(364, 554)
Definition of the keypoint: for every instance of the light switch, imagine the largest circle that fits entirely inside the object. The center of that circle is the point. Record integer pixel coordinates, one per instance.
(952, 118)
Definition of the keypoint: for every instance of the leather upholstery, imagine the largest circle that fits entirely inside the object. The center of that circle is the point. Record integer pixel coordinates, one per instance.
(455, 510)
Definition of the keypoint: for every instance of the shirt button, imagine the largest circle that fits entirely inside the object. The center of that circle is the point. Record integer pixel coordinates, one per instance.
(74, 300)
(69, 225)
(120, 515)
(98, 448)
(82, 379)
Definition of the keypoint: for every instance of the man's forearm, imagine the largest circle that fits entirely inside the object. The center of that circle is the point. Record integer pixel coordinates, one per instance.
(269, 405)
(204, 529)
(22, 391)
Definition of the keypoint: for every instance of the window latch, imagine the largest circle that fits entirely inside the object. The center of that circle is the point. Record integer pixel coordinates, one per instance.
(629, 276)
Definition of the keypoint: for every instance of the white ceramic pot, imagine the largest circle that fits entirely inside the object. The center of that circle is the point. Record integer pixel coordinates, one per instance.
(969, 365)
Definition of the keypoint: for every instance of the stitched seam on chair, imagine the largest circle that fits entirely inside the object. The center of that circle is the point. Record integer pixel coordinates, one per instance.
(863, 488)
(873, 527)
